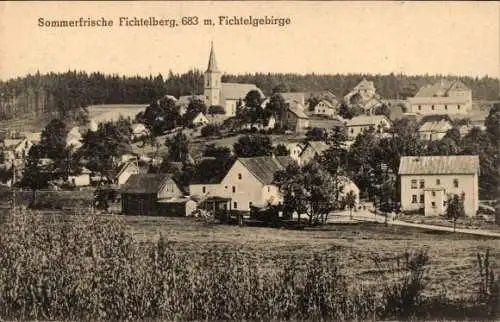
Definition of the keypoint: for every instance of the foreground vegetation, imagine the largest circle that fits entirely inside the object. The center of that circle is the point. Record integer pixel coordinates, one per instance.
(95, 268)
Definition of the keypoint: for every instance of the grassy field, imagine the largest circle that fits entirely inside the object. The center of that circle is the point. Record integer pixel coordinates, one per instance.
(452, 267)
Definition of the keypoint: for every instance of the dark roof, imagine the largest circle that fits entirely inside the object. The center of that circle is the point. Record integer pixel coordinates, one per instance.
(211, 171)
(453, 164)
(264, 168)
(441, 88)
(148, 183)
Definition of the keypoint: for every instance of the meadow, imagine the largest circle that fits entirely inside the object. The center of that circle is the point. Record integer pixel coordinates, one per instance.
(88, 267)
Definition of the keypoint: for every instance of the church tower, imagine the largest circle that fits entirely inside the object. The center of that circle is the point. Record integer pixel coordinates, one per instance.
(212, 81)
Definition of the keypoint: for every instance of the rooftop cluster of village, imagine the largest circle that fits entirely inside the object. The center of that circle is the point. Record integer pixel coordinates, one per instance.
(231, 148)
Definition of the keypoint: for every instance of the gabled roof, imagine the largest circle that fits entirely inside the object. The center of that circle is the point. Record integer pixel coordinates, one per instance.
(454, 164)
(235, 91)
(264, 168)
(146, 183)
(435, 126)
(317, 146)
(327, 103)
(367, 120)
(364, 84)
(294, 96)
(125, 166)
(211, 171)
(441, 88)
(295, 108)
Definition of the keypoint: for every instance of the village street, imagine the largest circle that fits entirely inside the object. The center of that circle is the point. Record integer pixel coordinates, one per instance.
(367, 216)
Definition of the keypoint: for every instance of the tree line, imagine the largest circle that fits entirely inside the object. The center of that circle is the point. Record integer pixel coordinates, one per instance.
(62, 92)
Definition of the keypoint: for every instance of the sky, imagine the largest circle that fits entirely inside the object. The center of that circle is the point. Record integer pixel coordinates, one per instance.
(457, 38)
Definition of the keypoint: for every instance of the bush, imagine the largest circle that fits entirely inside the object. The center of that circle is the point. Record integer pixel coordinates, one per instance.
(210, 130)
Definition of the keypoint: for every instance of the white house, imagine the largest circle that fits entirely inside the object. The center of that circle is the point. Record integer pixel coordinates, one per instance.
(139, 130)
(80, 180)
(443, 97)
(125, 170)
(325, 108)
(295, 149)
(365, 90)
(428, 181)
(16, 148)
(200, 120)
(248, 182)
(434, 130)
(358, 124)
(295, 119)
(311, 151)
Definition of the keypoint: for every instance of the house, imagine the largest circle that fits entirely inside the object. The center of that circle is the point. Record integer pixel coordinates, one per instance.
(247, 182)
(443, 97)
(152, 195)
(428, 181)
(434, 130)
(16, 148)
(325, 108)
(358, 124)
(139, 130)
(362, 92)
(312, 150)
(349, 186)
(125, 170)
(296, 97)
(295, 119)
(295, 149)
(200, 120)
(227, 95)
(81, 179)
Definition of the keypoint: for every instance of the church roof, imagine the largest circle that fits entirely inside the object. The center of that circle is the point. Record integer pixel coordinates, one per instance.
(212, 62)
(234, 91)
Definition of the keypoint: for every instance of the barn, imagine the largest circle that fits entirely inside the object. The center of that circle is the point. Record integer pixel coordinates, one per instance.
(146, 195)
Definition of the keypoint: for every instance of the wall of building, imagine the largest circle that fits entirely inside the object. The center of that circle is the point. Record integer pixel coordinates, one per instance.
(439, 108)
(467, 183)
(170, 190)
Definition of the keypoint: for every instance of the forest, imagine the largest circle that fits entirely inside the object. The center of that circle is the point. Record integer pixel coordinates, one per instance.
(63, 92)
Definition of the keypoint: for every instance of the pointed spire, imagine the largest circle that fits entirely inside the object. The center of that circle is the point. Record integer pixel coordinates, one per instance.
(212, 63)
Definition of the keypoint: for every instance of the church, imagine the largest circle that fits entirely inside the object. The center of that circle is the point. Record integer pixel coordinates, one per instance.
(226, 95)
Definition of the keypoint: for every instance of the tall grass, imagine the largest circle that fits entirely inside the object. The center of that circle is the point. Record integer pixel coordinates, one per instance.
(90, 268)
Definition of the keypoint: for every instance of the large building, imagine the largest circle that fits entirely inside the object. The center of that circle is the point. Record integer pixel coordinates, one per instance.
(245, 183)
(428, 181)
(226, 95)
(443, 97)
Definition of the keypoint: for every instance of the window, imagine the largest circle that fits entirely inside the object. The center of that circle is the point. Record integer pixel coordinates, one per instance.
(204, 189)
(434, 193)
(432, 107)
(268, 189)
(239, 176)
(421, 198)
(444, 203)
(234, 189)
(455, 183)
(414, 199)
(438, 182)
(458, 107)
(207, 98)
(250, 204)
(414, 184)
(422, 184)
(433, 204)
(225, 187)
(352, 131)
(419, 107)
(235, 205)
(446, 107)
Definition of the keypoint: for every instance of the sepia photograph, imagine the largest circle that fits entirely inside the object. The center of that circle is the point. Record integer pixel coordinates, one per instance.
(250, 161)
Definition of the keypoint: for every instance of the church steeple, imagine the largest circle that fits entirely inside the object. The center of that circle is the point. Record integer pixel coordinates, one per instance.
(212, 62)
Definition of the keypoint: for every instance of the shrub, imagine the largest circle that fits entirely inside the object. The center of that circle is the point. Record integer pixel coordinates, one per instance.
(210, 130)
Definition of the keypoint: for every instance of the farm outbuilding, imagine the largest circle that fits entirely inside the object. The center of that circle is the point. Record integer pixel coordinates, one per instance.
(141, 194)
